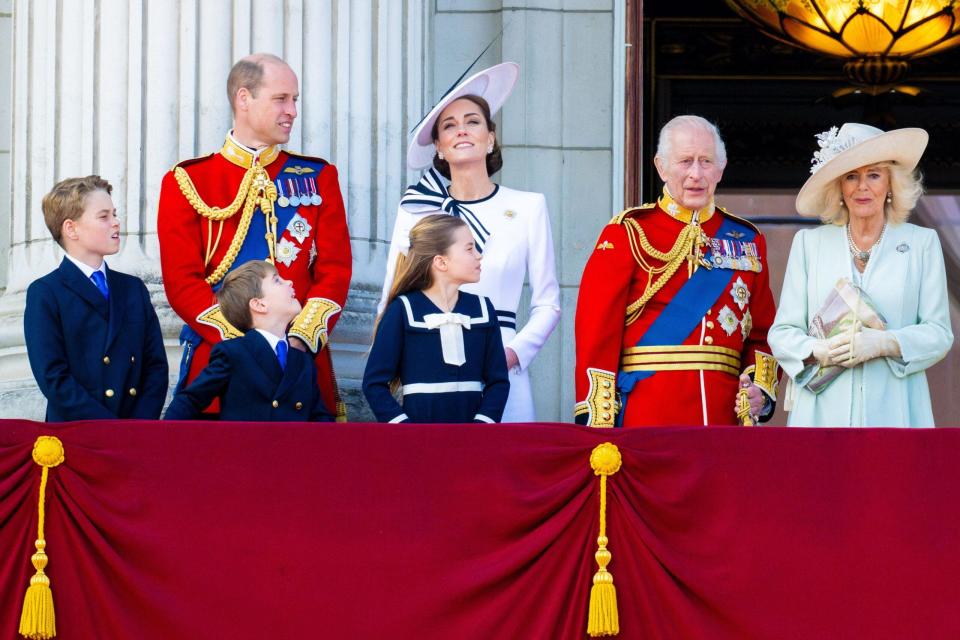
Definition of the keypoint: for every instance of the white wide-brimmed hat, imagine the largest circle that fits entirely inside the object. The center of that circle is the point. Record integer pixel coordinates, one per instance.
(493, 85)
(852, 146)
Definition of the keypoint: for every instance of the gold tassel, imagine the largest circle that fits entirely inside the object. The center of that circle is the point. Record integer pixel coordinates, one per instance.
(38, 621)
(603, 619)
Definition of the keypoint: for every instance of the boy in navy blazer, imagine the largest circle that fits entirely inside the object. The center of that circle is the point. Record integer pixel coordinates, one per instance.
(257, 377)
(92, 335)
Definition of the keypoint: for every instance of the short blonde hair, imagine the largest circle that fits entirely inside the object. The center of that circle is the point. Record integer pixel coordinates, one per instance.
(905, 185)
(67, 200)
(239, 287)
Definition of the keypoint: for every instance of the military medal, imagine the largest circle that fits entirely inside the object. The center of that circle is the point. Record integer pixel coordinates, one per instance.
(299, 228)
(315, 198)
(286, 252)
(281, 199)
(740, 293)
(746, 324)
(294, 193)
(728, 320)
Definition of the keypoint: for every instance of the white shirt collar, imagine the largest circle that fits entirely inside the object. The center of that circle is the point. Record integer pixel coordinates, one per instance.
(87, 269)
(271, 338)
(256, 152)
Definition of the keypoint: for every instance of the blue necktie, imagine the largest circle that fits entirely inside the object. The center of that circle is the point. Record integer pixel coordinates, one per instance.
(282, 353)
(101, 281)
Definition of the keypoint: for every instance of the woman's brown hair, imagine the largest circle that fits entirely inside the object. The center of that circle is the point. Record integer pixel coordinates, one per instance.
(431, 236)
(494, 159)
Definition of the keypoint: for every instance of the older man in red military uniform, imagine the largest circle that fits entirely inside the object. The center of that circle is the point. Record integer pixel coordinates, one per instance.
(253, 201)
(675, 303)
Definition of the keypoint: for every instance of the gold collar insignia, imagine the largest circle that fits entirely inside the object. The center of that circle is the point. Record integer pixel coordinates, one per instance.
(243, 157)
(681, 213)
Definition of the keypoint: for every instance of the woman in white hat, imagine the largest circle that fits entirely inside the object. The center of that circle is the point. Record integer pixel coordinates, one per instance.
(863, 186)
(457, 141)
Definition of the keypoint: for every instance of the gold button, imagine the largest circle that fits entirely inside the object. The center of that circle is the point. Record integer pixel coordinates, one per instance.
(709, 311)
(606, 395)
(708, 339)
(605, 405)
(106, 359)
(709, 324)
(606, 416)
(298, 406)
(606, 384)
(133, 391)
(275, 404)
(108, 393)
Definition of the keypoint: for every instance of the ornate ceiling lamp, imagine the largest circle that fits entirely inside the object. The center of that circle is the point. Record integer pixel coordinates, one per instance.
(878, 38)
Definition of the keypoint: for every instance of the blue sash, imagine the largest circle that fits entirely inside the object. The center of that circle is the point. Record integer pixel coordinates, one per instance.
(685, 311)
(254, 246)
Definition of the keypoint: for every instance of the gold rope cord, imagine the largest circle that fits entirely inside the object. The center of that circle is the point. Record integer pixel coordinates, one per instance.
(256, 189)
(682, 250)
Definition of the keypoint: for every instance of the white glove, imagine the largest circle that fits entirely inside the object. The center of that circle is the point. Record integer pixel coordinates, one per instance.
(851, 349)
(821, 352)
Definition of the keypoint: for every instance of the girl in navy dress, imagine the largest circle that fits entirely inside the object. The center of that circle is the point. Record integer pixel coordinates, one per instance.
(439, 346)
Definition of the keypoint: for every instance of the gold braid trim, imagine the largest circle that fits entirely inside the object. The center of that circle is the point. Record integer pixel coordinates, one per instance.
(256, 190)
(311, 323)
(686, 248)
(216, 214)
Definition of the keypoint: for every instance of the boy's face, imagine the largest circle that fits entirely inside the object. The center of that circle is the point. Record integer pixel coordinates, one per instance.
(96, 233)
(278, 299)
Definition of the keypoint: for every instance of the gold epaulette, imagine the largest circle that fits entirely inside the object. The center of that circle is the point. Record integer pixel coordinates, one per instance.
(764, 374)
(312, 323)
(601, 404)
(618, 219)
(213, 317)
(739, 219)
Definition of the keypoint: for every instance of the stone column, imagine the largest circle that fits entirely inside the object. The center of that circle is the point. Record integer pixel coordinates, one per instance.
(126, 88)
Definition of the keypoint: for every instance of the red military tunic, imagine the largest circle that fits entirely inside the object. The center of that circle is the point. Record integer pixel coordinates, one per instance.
(694, 380)
(310, 246)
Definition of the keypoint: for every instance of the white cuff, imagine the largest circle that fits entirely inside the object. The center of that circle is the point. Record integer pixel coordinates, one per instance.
(483, 418)
(400, 418)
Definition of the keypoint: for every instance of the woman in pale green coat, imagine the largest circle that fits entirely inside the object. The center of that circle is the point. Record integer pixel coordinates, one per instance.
(863, 187)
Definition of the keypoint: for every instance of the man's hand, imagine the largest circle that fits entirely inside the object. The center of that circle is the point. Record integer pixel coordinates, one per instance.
(297, 343)
(754, 395)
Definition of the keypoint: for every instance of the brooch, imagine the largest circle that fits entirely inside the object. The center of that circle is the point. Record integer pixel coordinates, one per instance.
(903, 247)
(509, 213)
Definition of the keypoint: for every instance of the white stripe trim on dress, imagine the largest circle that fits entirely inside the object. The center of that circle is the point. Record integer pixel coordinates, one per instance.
(442, 387)
(483, 418)
(399, 418)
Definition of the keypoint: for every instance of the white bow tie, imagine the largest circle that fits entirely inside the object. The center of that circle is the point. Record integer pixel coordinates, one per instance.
(451, 327)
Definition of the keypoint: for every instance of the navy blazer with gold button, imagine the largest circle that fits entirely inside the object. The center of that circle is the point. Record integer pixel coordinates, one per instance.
(245, 374)
(93, 358)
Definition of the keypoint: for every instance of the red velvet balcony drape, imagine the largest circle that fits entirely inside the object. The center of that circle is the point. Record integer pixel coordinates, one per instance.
(213, 530)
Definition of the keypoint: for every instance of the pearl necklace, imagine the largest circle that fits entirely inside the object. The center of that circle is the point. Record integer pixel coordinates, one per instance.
(859, 254)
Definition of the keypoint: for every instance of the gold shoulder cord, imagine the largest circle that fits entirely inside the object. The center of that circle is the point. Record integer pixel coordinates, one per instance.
(686, 248)
(256, 189)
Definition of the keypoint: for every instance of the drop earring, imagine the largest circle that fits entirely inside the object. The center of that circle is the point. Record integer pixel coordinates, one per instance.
(440, 154)
(489, 149)
(889, 197)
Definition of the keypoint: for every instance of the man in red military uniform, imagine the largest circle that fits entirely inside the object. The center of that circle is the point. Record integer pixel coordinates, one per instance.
(675, 303)
(254, 201)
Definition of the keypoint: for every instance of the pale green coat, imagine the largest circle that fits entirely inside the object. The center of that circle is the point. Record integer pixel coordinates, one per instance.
(905, 278)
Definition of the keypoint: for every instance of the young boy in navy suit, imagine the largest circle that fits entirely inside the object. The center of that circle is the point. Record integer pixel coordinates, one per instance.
(257, 377)
(93, 338)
